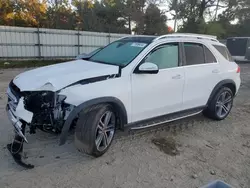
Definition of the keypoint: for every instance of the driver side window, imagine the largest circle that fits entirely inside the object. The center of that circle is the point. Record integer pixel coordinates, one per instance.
(164, 56)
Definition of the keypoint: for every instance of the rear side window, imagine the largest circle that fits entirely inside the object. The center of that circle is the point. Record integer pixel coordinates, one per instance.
(209, 56)
(224, 51)
(194, 53)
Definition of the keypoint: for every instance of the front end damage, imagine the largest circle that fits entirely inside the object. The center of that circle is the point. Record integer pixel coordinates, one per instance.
(42, 109)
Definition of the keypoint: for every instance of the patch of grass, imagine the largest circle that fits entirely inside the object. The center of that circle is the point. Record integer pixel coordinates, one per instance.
(29, 63)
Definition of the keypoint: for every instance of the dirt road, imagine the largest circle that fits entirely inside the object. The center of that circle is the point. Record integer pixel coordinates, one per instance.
(205, 150)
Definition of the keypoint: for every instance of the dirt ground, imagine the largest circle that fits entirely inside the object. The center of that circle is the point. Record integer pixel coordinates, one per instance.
(202, 150)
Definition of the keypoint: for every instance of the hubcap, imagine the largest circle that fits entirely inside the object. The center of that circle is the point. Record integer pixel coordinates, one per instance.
(105, 130)
(224, 104)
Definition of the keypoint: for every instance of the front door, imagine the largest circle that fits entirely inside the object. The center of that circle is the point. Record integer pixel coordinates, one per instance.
(158, 94)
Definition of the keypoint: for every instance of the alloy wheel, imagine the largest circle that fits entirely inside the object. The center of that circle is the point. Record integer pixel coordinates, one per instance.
(224, 104)
(105, 130)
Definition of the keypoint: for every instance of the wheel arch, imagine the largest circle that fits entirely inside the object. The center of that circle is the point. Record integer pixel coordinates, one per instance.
(115, 102)
(224, 83)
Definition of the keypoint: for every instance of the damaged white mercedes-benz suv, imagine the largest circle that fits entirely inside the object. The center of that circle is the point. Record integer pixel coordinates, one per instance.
(135, 82)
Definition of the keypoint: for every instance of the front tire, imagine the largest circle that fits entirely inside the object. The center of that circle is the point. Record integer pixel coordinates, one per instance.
(95, 129)
(220, 105)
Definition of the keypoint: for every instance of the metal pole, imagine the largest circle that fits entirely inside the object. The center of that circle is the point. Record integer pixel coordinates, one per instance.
(175, 21)
(78, 41)
(109, 35)
(38, 43)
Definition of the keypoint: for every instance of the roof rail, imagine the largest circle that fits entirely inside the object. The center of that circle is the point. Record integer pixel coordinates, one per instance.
(188, 35)
(129, 36)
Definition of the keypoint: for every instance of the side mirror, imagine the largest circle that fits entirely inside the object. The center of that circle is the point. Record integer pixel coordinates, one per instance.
(148, 68)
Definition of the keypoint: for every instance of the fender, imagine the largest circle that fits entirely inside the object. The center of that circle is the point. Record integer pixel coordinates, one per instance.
(118, 105)
(218, 86)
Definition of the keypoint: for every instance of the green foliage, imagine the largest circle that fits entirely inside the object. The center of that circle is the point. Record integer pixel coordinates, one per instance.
(215, 28)
(60, 16)
(155, 21)
(23, 12)
(123, 16)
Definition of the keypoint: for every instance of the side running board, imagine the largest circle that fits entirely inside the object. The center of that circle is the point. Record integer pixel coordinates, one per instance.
(164, 119)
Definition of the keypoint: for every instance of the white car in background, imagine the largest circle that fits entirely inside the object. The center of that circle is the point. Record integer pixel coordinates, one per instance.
(136, 81)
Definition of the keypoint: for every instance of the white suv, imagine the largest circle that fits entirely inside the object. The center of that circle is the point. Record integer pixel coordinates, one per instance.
(137, 81)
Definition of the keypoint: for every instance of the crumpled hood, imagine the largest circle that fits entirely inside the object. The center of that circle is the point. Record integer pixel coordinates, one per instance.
(62, 75)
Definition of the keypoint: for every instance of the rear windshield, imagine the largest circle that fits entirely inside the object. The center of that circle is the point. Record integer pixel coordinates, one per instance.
(224, 51)
(237, 46)
(119, 53)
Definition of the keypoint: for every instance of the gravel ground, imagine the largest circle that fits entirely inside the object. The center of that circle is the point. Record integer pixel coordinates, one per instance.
(203, 150)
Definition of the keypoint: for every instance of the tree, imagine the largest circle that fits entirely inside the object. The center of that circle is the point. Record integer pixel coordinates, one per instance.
(103, 16)
(60, 15)
(155, 21)
(137, 14)
(6, 12)
(23, 12)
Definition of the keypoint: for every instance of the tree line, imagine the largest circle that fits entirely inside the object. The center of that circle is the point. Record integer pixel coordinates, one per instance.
(223, 18)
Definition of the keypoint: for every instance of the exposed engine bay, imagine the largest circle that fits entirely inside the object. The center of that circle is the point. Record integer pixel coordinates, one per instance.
(48, 108)
(48, 111)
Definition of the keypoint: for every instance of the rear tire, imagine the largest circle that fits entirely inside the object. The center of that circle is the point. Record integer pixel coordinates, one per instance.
(220, 105)
(95, 129)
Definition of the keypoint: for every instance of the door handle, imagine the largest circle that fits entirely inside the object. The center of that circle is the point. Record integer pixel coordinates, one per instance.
(215, 71)
(178, 76)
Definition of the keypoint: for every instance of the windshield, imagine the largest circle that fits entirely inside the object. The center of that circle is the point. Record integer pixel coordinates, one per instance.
(119, 53)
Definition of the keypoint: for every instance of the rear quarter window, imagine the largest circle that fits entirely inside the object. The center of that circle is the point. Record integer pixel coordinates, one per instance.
(194, 53)
(224, 52)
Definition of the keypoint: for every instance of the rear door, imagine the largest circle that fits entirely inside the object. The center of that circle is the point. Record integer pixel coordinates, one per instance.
(202, 73)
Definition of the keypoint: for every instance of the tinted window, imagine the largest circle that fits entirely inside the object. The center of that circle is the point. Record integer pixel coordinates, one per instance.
(209, 56)
(194, 53)
(119, 53)
(165, 56)
(224, 51)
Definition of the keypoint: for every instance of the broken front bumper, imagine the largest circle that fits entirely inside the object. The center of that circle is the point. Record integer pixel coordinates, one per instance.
(18, 125)
(17, 114)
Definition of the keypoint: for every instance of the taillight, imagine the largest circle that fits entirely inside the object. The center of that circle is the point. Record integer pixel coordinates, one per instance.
(238, 69)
